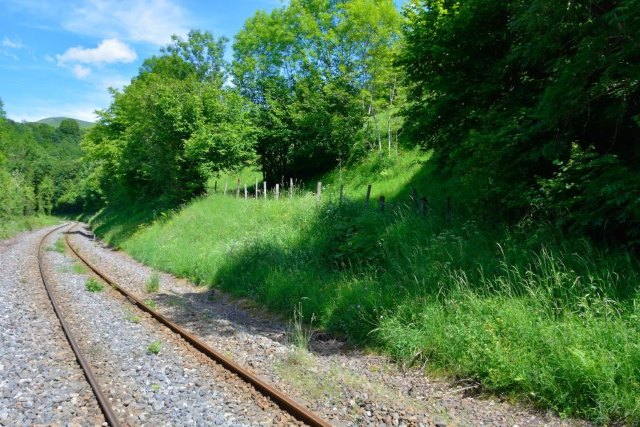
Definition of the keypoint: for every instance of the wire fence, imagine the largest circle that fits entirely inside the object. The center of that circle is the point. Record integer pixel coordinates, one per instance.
(420, 204)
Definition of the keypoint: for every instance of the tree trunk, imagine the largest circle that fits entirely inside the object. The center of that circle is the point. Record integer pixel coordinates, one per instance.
(372, 111)
(392, 97)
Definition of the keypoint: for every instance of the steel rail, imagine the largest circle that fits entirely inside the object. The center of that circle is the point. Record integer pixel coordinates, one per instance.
(105, 406)
(298, 411)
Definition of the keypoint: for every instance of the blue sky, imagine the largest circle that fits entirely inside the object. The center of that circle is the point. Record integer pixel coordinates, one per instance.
(57, 58)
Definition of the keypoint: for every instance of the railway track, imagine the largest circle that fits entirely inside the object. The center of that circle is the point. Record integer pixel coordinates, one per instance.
(104, 404)
(284, 402)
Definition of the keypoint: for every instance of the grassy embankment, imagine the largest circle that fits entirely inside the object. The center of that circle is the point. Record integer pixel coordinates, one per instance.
(12, 226)
(527, 311)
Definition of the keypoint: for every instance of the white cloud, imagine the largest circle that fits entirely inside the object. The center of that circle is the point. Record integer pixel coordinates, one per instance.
(151, 21)
(8, 47)
(107, 52)
(81, 72)
(11, 44)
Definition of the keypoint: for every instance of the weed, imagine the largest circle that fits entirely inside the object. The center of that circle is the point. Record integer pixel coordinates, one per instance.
(155, 347)
(150, 303)
(79, 268)
(76, 268)
(58, 246)
(298, 334)
(92, 285)
(153, 284)
(155, 387)
(132, 317)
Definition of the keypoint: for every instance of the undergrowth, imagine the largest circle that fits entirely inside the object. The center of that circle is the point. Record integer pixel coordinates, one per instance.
(9, 227)
(525, 310)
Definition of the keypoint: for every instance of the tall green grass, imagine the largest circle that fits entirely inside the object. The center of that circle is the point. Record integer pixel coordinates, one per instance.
(9, 227)
(526, 311)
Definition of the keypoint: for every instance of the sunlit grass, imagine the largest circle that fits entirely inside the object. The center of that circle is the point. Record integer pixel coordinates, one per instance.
(9, 227)
(524, 310)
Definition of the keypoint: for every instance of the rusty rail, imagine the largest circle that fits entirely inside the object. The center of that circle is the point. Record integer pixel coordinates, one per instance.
(286, 403)
(107, 411)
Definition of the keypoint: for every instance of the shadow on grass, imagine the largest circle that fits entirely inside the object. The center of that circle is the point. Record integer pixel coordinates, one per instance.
(424, 287)
(116, 223)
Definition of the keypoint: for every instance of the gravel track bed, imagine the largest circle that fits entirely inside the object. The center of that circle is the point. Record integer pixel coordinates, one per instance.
(40, 380)
(341, 384)
(177, 386)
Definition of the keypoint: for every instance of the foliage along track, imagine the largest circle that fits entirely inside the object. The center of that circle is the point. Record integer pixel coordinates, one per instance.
(285, 402)
(105, 406)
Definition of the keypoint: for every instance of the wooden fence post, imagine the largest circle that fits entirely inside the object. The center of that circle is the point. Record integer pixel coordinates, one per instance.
(238, 188)
(277, 191)
(366, 201)
(290, 187)
(381, 204)
(341, 193)
(264, 187)
(215, 187)
(246, 196)
(225, 188)
(424, 206)
(319, 191)
(257, 188)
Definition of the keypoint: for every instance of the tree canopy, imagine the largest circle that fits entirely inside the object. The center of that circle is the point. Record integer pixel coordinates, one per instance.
(39, 165)
(174, 125)
(314, 69)
(536, 103)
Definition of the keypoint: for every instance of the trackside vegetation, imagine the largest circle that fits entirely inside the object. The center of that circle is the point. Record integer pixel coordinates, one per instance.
(39, 165)
(526, 310)
(9, 227)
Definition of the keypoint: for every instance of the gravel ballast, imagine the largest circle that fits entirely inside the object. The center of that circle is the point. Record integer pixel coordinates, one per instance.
(40, 380)
(176, 386)
(341, 384)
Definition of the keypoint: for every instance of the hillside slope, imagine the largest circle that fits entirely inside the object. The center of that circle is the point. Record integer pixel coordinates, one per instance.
(55, 122)
(525, 311)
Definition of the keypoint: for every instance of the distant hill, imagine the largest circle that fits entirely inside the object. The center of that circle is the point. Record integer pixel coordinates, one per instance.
(55, 122)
